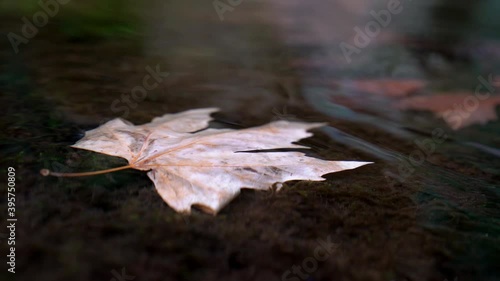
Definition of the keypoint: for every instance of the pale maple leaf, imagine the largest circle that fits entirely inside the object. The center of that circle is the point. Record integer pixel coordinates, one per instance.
(191, 165)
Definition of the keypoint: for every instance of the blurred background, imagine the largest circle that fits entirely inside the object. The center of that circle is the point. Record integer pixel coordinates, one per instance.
(410, 85)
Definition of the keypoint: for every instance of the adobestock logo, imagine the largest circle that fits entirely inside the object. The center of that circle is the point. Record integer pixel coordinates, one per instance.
(425, 148)
(140, 92)
(459, 116)
(121, 276)
(50, 8)
(310, 264)
(221, 7)
(363, 37)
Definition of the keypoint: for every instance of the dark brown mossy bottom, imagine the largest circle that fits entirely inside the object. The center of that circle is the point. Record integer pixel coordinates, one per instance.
(366, 226)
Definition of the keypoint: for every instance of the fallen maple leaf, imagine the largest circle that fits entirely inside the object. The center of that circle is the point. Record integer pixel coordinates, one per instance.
(191, 166)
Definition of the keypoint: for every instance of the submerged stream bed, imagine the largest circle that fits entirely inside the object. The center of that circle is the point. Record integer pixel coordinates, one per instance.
(411, 87)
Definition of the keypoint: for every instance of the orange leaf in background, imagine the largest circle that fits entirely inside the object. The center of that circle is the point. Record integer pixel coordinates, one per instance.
(374, 96)
(458, 110)
(371, 96)
(384, 87)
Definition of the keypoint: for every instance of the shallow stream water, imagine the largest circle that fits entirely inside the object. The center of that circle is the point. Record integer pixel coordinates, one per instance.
(396, 82)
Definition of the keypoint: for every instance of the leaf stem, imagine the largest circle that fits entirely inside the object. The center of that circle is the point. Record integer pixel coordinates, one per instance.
(47, 172)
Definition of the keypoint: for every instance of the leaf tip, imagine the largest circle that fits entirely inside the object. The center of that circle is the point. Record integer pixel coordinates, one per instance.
(354, 164)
